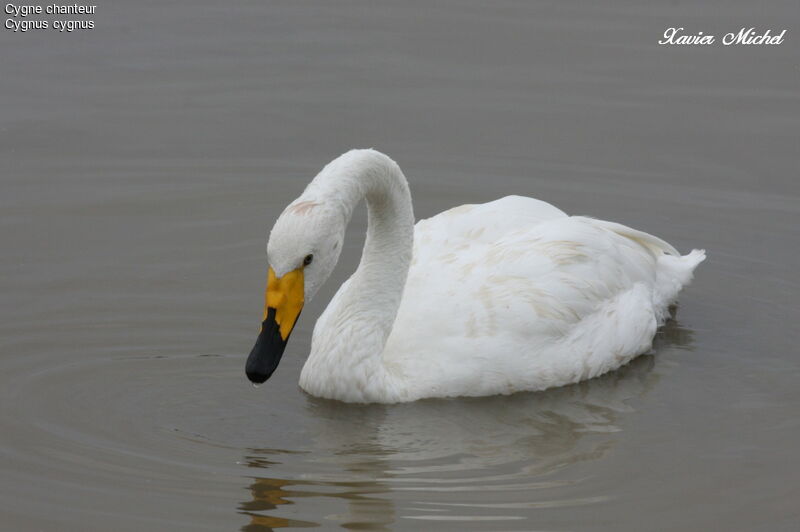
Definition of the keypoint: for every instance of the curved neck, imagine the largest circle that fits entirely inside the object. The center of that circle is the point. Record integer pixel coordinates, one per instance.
(375, 290)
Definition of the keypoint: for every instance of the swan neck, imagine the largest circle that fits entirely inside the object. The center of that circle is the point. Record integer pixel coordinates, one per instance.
(376, 288)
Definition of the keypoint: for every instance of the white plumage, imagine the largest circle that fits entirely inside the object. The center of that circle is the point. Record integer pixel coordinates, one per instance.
(501, 297)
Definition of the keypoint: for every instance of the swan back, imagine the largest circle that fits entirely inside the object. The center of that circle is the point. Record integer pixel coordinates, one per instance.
(516, 295)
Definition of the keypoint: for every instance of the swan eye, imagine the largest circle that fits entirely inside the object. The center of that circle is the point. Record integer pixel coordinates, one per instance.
(308, 259)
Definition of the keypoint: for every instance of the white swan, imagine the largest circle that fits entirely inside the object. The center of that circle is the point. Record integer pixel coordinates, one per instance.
(484, 299)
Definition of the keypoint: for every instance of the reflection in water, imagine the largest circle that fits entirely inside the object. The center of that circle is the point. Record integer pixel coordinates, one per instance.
(468, 461)
(268, 494)
(365, 510)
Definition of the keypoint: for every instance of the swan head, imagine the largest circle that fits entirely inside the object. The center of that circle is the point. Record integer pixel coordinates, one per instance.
(302, 251)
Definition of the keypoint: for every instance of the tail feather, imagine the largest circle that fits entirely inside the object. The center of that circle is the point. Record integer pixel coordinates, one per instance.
(673, 273)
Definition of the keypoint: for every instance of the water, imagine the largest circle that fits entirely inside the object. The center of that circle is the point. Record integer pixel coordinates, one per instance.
(143, 162)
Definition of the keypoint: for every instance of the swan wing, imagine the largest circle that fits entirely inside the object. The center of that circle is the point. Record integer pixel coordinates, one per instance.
(516, 295)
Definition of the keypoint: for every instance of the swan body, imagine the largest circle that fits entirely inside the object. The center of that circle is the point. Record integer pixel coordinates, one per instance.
(485, 299)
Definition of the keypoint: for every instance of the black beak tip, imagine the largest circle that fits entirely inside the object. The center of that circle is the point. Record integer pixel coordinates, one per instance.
(257, 377)
(266, 354)
(258, 370)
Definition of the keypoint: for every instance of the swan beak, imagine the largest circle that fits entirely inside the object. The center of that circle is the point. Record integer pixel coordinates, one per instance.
(283, 302)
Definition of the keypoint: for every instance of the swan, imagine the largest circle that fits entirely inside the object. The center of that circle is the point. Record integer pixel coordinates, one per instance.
(488, 299)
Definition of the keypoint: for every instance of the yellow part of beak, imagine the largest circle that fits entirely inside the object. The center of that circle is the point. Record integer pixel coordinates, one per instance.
(286, 295)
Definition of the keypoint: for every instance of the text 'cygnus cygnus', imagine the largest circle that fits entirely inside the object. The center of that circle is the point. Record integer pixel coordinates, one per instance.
(485, 299)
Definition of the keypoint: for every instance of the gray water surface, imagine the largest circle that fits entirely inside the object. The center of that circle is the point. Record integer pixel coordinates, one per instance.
(142, 164)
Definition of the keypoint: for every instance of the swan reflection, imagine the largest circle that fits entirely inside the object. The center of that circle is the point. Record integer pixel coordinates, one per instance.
(468, 460)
